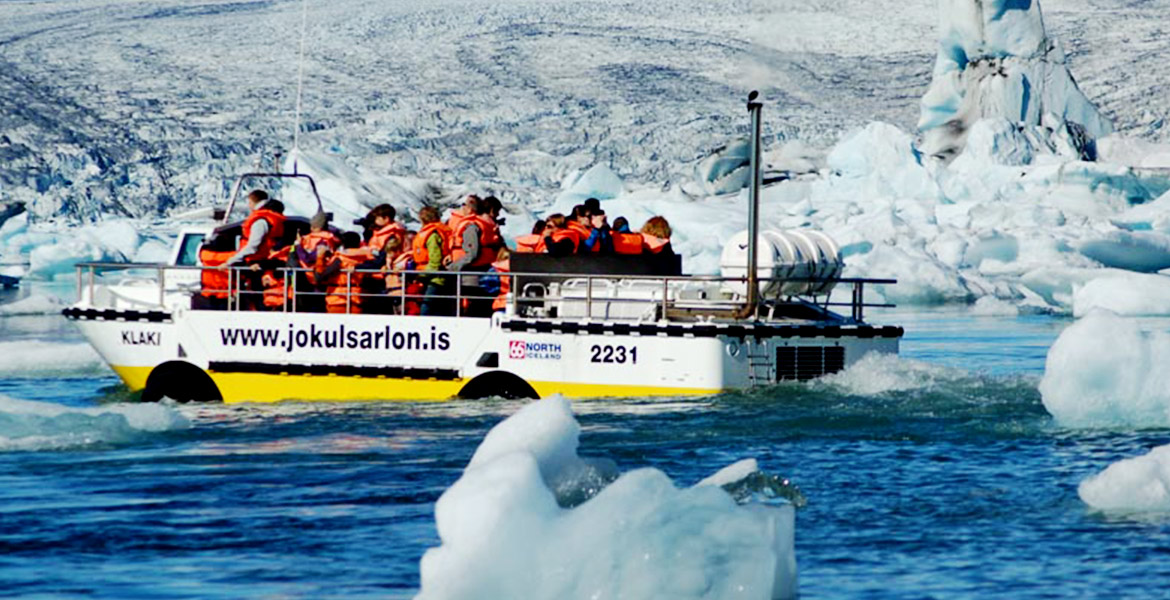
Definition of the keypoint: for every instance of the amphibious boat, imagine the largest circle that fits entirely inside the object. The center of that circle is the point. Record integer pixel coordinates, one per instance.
(581, 326)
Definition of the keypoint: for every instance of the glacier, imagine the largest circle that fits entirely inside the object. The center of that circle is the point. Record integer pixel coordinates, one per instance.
(529, 518)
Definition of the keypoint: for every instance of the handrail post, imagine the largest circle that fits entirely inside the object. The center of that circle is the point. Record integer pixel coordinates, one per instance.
(162, 287)
(860, 301)
(284, 292)
(665, 293)
(402, 290)
(91, 300)
(348, 291)
(589, 297)
(458, 294)
(80, 285)
(294, 292)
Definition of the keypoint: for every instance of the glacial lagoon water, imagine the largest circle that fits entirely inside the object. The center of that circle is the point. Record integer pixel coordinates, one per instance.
(936, 475)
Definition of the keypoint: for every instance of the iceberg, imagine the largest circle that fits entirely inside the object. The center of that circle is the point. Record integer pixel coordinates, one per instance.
(1104, 371)
(995, 60)
(1139, 484)
(1131, 295)
(513, 526)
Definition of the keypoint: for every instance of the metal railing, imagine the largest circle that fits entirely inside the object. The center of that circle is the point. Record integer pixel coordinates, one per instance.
(575, 295)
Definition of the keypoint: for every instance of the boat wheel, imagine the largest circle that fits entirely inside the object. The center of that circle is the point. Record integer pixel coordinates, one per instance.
(182, 382)
(498, 384)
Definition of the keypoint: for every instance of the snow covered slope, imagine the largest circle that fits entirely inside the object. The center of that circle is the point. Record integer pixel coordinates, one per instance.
(131, 107)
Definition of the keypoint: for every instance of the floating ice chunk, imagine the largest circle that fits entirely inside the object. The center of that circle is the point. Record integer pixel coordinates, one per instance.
(39, 358)
(37, 304)
(599, 181)
(13, 226)
(26, 425)
(1138, 484)
(1133, 152)
(921, 280)
(504, 534)
(1145, 252)
(1104, 371)
(727, 169)
(52, 260)
(990, 306)
(1129, 295)
(153, 251)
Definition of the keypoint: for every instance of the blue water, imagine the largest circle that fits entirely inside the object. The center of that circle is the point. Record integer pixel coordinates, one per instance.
(954, 484)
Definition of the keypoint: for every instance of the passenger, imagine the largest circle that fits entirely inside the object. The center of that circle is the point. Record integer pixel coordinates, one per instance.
(465, 211)
(336, 273)
(656, 236)
(381, 217)
(559, 240)
(533, 242)
(601, 238)
(624, 241)
(396, 260)
(429, 249)
(503, 285)
(260, 235)
(479, 241)
(581, 222)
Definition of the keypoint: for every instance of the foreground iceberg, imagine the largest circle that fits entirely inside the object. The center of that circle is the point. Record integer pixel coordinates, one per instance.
(531, 519)
(1105, 371)
(1134, 484)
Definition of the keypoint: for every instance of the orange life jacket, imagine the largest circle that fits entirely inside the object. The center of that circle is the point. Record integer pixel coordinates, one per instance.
(583, 233)
(567, 234)
(453, 224)
(394, 277)
(489, 240)
(531, 243)
(653, 244)
(346, 283)
(274, 289)
(627, 243)
(275, 233)
(419, 247)
(392, 229)
(214, 282)
(311, 240)
(504, 267)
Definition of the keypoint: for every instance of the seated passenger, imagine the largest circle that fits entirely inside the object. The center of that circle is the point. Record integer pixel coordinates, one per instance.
(625, 241)
(398, 286)
(503, 282)
(656, 236)
(601, 238)
(465, 211)
(580, 221)
(559, 240)
(335, 271)
(533, 242)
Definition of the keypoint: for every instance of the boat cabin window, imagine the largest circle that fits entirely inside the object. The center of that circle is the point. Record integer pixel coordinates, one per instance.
(189, 250)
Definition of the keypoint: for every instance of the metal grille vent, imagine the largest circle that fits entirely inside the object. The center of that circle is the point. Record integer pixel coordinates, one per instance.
(801, 363)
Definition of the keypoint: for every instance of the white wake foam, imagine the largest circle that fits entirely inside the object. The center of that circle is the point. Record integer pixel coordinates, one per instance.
(27, 425)
(36, 358)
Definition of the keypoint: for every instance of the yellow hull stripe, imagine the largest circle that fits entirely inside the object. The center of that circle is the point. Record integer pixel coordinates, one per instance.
(263, 387)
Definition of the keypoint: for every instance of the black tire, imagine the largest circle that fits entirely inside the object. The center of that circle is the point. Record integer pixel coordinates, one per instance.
(498, 384)
(182, 382)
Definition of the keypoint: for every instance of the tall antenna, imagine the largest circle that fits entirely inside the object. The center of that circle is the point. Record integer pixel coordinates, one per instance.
(300, 84)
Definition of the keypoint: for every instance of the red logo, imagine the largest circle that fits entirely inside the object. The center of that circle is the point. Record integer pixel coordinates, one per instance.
(516, 349)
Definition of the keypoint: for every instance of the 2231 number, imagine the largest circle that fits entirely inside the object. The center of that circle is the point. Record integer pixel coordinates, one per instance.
(614, 355)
